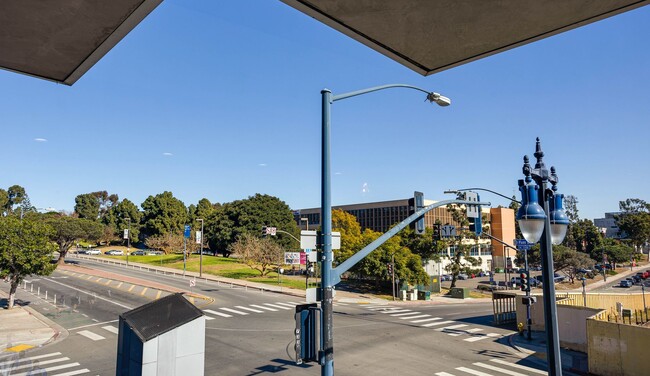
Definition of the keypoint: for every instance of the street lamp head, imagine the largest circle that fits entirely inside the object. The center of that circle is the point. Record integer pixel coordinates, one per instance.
(440, 100)
(530, 215)
(559, 220)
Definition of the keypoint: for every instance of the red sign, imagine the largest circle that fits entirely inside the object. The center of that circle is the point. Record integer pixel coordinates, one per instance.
(303, 258)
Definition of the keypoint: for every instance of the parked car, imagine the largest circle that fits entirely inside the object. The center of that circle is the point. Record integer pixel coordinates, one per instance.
(81, 252)
(93, 252)
(625, 283)
(463, 276)
(138, 253)
(114, 252)
(445, 277)
(643, 275)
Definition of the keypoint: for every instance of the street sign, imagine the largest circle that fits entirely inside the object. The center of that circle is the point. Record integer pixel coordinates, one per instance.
(523, 244)
(308, 240)
(447, 231)
(472, 210)
(187, 231)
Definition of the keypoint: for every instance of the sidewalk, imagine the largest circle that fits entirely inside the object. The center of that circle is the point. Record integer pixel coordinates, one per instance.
(572, 361)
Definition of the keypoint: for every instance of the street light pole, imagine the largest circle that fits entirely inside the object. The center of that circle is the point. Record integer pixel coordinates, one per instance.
(306, 220)
(539, 223)
(128, 241)
(201, 252)
(327, 283)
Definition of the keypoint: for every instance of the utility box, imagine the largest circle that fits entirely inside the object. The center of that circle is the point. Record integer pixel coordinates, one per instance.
(424, 295)
(459, 292)
(164, 337)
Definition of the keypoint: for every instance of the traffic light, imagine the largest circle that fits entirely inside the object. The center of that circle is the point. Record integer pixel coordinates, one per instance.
(525, 280)
(390, 268)
(476, 225)
(436, 232)
(529, 300)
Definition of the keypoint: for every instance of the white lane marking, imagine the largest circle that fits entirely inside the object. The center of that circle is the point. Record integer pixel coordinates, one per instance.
(276, 306)
(91, 294)
(111, 329)
(478, 337)
(207, 318)
(72, 373)
(425, 320)
(91, 335)
(443, 374)
(413, 317)
(89, 325)
(502, 370)
(405, 314)
(49, 369)
(216, 313)
(493, 335)
(473, 372)
(529, 369)
(396, 311)
(474, 330)
(286, 304)
(30, 358)
(292, 303)
(40, 363)
(234, 311)
(262, 307)
(451, 327)
(374, 308)
(248, 309)
(436, 323)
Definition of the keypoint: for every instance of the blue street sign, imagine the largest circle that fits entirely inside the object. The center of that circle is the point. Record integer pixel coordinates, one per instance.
(523, 244)
(187, 231)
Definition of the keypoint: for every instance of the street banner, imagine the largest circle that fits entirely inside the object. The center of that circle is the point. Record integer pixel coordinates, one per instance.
(126, 233)
(199, 237)
(187, 231)
(292, 258)
(303, 258)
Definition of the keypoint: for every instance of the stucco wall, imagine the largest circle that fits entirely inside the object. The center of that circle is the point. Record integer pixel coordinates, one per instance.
(618, 349)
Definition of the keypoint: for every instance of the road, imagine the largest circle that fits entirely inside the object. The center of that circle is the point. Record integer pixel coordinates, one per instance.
(251, 333)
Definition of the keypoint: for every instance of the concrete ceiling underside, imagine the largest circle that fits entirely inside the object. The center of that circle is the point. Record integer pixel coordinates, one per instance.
(60, 40)
(430, 36)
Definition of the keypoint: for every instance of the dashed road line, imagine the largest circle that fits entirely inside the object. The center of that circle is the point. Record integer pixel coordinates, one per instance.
(216, 313)
(111, 329)
(91, 335)
(144, 290)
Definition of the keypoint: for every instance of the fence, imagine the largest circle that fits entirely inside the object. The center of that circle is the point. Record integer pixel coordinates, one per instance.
(504, 305)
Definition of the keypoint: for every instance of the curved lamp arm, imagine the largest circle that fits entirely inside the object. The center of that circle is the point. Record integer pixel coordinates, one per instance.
(431, 96)
(481, 189)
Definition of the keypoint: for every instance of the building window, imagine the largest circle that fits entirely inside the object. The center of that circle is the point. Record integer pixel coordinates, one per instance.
(474, 251)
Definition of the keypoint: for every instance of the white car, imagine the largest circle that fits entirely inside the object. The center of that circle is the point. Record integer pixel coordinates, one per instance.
(114, 252)
(93, 252)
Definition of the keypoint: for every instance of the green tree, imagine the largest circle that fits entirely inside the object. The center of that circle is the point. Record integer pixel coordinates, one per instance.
(461, 261)
(4, 200)
(15, 196)
(163, 214)
(423, 245)
(351, 238)
(87, 206)
(261, 254)
(25, 249)
(94, 205)
(69, 230)
(571, 210)
(616, 252)
(586, 236)
(248, 216)
(570, 261)
(634, 221)
(203, 210)
(124, 215)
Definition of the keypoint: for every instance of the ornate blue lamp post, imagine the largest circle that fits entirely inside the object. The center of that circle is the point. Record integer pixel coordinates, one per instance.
(538, 201)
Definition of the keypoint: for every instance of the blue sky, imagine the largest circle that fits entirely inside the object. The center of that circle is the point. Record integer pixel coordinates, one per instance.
(222, 100)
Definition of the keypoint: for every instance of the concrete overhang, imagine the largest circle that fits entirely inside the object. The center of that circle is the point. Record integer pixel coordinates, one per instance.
(60, 40)
(430, 36)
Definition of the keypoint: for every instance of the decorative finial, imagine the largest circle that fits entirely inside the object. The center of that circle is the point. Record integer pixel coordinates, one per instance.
(539, 155)
(553, 179)
(526, 169)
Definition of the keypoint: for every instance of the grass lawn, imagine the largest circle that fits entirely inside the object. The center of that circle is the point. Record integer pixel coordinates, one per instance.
(215, 265)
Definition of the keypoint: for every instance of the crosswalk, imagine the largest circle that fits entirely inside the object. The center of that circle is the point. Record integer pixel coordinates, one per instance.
(438, 324)
(251, 309)
(52, 364)
(494, 367)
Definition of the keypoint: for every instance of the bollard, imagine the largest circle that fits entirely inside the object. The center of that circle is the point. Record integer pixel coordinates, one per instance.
(38, 291)
(25, 286)
(55, 300)
(31, 288)
(45, 294)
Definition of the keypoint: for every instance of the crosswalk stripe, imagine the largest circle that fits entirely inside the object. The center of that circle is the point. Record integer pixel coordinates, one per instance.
(397, 311)
(405, 314)
(91, 335)
(111, 329)
(249, 309)
(40, 363)
(262, 307)
(293, 303)
(474, 330)
(478, 337)
(443, 374)
(413, 317)
(285, 304)
(208, 317)
(72, 373)
(373, 308)
(502, 370)
(529, 369)
(425, 320)
(216, 313)
(49, 369)
(451, 327)
(234, 311)
(30, 358)
(436, 323)
(276, 306)
(473, 372)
